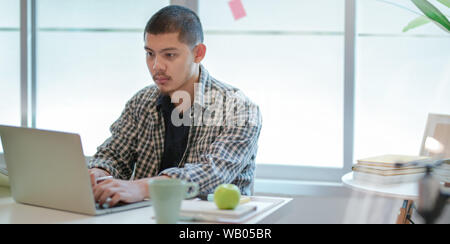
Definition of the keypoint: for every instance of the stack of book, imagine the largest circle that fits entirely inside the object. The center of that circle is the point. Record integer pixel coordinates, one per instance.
(390, 169)
(442, 173)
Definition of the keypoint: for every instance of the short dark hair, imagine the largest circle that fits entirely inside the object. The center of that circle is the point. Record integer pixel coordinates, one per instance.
(177, 19)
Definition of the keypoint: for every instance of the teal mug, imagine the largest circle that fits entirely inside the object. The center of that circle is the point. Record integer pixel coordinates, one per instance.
(166, 196)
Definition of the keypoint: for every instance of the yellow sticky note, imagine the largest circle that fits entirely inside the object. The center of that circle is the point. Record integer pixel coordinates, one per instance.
(244, 199)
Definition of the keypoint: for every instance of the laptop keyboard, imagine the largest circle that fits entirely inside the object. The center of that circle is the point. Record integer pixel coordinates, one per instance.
(106, 205)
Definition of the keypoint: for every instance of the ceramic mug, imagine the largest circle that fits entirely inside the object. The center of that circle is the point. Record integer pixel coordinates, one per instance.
(166, 196)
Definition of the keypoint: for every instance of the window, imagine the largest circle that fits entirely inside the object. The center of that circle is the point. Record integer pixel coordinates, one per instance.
(291, 57)
(9, 63)
(288, 59)
(401, 77)
(90, 63)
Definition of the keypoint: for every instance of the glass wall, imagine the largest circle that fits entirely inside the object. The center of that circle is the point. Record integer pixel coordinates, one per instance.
(401, 77)
(287, 56)
(91, 61)
(9, 63)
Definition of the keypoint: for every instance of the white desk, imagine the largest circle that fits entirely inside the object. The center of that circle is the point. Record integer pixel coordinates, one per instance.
(14, 213)
(404, 191)
(408, 192)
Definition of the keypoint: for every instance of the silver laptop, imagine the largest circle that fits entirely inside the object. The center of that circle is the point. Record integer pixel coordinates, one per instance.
(48, 169)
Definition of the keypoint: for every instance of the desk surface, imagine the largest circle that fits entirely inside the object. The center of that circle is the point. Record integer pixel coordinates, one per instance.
(403, 191)
(14, 213)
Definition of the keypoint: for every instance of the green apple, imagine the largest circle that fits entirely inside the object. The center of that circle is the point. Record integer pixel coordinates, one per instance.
(227, 196)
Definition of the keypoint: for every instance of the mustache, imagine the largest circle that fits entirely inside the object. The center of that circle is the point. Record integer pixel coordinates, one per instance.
(161, 75)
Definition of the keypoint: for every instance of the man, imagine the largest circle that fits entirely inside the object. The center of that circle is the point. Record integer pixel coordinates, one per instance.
(188, 126)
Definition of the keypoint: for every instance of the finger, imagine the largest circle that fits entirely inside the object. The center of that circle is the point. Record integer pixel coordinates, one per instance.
(97, 192)
(103, 178)
(107, 195)
(100, 188)
(93, 180)
(107, 203)
(115, 199)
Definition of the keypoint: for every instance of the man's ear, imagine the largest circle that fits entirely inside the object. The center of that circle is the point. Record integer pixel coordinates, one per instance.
(199, 52)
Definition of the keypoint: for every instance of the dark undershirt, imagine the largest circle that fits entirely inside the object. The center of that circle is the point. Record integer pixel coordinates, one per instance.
(176, 137)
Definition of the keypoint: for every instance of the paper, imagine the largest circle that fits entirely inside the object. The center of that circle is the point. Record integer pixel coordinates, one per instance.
(237, 8)
(210, 208)
(194, 210)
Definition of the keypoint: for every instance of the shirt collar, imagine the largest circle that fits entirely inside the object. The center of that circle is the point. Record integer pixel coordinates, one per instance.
(201, 87)
(163, 102)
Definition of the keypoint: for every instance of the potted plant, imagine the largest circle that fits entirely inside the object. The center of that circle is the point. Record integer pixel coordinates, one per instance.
(431, 14)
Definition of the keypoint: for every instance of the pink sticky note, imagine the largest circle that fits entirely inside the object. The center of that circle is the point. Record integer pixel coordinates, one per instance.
(237, 8)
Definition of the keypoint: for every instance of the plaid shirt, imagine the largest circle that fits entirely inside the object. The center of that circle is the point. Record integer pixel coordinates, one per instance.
(222, 141)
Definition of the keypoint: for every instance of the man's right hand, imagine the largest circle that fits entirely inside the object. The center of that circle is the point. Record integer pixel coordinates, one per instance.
(96, 173)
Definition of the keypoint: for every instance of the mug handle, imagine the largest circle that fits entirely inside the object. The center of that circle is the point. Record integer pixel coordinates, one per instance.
(194, 192)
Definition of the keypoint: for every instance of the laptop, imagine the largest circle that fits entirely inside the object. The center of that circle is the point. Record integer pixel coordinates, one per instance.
(48, 169)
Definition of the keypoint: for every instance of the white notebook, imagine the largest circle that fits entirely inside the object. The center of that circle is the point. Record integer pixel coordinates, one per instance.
(194, 210)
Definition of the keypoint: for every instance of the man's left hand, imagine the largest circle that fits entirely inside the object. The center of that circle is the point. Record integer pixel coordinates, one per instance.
(121, 191)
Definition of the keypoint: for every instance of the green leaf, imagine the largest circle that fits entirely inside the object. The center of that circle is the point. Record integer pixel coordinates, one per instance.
(445, 2)
(422, 20)
(433, 13)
